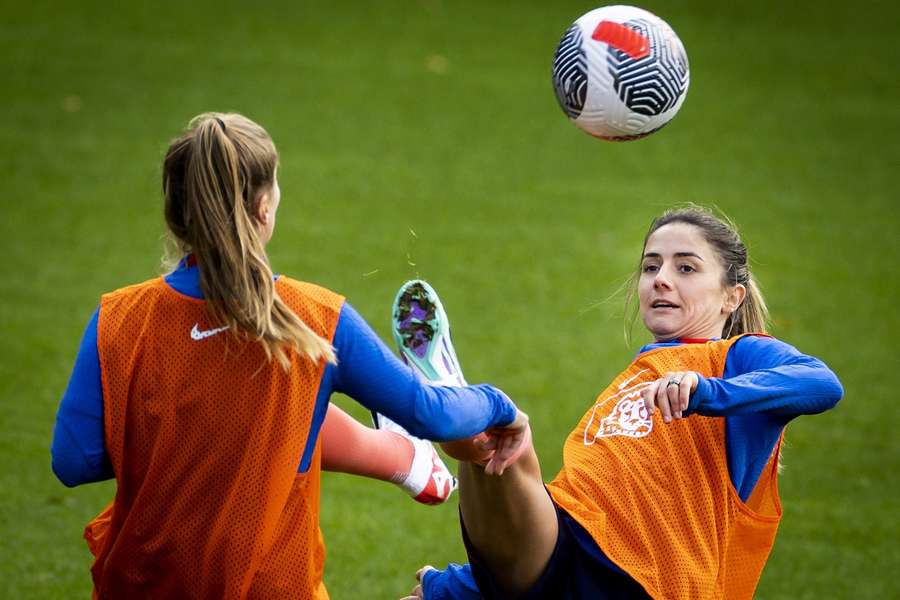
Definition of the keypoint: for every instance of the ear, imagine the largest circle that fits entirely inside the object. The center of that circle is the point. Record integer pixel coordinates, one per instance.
(261, 210)
(734, 295)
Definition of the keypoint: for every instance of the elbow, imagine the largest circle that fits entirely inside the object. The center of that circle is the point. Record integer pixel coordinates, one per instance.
(67, 463)
(823, 386)
(64, 473)
(829, 393)
(834, 393)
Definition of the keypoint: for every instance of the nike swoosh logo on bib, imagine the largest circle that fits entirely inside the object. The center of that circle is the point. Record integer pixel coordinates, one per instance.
(196, 334)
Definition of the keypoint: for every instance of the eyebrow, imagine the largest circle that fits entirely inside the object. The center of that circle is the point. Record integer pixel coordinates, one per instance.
(677, 255)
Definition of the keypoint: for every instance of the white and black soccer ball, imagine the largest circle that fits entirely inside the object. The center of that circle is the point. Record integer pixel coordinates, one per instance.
(620, 73)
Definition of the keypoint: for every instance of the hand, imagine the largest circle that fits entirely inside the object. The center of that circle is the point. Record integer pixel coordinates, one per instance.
(507, 443)
(417, 592)
(670, 393)
(468, 450)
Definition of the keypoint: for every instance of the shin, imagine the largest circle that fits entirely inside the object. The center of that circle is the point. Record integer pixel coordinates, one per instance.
(510, 521)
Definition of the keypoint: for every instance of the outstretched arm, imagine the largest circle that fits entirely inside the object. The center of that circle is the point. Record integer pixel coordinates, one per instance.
(771, 377)
(371, 374)
(765, 375)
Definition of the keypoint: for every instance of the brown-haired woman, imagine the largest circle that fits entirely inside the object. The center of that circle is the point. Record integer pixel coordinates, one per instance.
(669, 483)
(203, 393)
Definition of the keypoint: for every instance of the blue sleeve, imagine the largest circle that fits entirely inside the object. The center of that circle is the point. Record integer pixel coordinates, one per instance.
(770, 377)
(323, 398)
(370, 373)
(78, 451)
(455, 582)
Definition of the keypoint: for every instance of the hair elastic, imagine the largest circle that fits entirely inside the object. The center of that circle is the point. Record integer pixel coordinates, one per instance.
(221, 123)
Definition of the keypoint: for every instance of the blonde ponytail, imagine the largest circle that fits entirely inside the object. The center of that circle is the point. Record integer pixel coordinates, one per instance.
(752, 316)
(212, 177)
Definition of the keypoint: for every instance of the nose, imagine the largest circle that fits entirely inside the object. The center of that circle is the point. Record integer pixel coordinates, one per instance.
(661, 281)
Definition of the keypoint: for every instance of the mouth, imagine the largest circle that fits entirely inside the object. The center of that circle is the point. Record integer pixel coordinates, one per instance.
(664, 304)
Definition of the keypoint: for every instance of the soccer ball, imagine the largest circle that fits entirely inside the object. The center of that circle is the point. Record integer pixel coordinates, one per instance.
(620, 73)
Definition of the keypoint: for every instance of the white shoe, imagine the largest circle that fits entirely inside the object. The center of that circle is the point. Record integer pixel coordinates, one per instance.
(422, 332)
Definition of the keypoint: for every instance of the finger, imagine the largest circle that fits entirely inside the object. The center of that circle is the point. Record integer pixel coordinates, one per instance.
(517, 446)
(421, 572)
(685, 388)
(662, 400)
(508, 443)
(496, 464)
(673, 394)
(649, 394)
(491, 464)
(488, 442)
(510, 447)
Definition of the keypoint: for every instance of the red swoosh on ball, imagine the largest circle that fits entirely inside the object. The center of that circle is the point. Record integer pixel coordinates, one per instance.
(623, 38)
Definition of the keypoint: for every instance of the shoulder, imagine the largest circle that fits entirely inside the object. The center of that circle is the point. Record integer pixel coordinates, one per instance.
(129, 306)
(135, 289)
(761, 342)
(136, 295)
(317, 306)
(294, 289)
(750, 352)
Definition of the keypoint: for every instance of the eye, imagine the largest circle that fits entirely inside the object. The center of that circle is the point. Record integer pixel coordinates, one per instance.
(686, 268)
(650, 269)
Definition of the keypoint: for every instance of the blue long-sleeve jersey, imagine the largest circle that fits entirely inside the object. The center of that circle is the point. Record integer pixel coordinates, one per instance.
(766, 383)
(366, 371)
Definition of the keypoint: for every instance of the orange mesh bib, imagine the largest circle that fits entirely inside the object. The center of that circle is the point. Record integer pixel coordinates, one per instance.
(657, 498)
(205, 436)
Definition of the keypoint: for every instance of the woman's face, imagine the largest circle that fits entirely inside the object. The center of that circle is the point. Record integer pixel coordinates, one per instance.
(680, 288)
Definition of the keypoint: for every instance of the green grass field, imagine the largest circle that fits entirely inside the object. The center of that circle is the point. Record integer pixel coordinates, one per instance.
(423, 139)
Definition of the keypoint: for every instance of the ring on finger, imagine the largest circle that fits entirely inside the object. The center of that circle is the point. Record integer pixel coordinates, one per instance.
(673, 381)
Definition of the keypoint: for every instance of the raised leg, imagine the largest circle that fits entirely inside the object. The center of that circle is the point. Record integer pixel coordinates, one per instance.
(509, 519)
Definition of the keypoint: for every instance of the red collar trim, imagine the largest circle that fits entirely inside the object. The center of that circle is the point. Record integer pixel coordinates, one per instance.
(191, 260)
(693, 340)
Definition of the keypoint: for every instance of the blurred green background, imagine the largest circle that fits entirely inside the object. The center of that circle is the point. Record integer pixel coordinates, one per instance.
(422, 138)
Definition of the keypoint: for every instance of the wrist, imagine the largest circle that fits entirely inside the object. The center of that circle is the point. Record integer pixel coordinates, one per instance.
(699, 393)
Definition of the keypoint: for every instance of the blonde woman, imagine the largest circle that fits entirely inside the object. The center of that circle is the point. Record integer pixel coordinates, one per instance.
(203, 393)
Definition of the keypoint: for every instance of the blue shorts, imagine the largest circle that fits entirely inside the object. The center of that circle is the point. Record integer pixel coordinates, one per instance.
(571, 573)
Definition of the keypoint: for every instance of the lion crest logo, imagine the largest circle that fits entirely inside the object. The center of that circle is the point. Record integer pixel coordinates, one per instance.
(628, 417)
